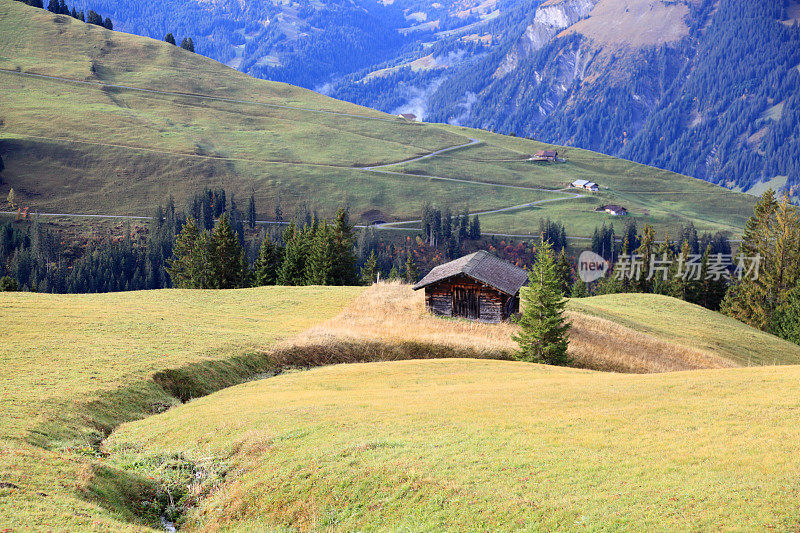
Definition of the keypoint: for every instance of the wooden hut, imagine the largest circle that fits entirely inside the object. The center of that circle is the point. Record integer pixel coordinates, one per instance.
(478, 286)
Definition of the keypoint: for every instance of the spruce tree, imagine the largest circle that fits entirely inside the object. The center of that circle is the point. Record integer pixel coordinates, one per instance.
(322, 257)
(53, 7)
(370, 269)
(410, 272)
(564, 273)
(189, 265)
(344, 268)
(251, 211)
(787, 318)
(773, 233)
(169, 38)
(268, 264)
(293, 267)
(544, 334)
(226, 256)
(475, 228)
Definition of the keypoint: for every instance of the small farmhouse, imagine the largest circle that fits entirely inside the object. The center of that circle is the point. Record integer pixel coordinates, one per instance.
(408, 116)
(478, 286)
(546, 155)
(616, 210)
(586, 185)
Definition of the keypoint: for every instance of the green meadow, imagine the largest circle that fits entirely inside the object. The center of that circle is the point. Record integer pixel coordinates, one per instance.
(466, 445)
(130, 121)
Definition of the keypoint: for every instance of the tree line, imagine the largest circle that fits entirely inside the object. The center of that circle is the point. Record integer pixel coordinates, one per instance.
(59, 7)
(319, 253)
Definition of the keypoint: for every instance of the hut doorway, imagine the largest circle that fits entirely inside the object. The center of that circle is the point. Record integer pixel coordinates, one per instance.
(465, 303)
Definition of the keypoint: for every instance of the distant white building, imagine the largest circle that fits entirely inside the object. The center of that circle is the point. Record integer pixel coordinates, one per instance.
(586, 185)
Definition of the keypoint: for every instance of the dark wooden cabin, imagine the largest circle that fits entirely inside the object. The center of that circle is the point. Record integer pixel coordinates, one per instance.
(478, 286)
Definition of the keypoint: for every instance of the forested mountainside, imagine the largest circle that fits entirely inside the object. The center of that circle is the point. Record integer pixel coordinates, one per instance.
(707, 88)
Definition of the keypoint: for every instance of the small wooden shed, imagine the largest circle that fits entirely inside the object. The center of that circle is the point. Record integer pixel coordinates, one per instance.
(478, 286)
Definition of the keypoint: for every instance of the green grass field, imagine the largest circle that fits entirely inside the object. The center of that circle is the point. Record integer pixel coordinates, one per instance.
(351, 446)
(93, 148)
(464, 445)
(75, 366)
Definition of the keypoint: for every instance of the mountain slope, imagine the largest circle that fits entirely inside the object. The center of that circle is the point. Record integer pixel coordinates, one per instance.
(101, 122)
(699, 87)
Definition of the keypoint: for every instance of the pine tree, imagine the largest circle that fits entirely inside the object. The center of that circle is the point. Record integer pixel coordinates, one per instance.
(187, 44)
(321, 263)
(645, 252)
(8, 284)
(787, 318)
(773, 233)
(564, 273)
(53, 7)
(293, 267)
(107, 24)
(370, 269)
(544, 334)
(226, 256)
(475, 228)
(579, 289)
(251, 211)
(189, 266)
(344, 267)
(394, 273)
(410, 273)
(268, 264)
(169, 38)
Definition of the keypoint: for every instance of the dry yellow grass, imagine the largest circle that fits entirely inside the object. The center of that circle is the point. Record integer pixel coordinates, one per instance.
(391, 313)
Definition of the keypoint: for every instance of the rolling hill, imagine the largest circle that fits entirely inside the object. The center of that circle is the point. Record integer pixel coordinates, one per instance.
(101, 122)
(465, 445)
(77, 366)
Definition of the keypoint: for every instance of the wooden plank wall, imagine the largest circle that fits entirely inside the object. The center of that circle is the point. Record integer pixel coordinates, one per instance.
(493, 304)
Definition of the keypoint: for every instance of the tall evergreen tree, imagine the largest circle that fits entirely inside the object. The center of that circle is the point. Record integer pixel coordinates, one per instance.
(564, 273)
(322, 256)
(226, 256)
(475, 228)
(268, 264)
(410, 272)
(344, 268)
(370, 269)
(544, 333)
(189, 267)
(251, 211)
(773, 233)
(293, 267)
(169, 38)
(187, 44)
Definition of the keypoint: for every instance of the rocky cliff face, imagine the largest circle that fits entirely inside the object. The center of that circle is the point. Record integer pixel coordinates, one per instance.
(551, 18)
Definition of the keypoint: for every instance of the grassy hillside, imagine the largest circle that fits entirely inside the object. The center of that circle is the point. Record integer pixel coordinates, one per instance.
(75, 366)
(691, 326)
(123, 121)
(464, 445)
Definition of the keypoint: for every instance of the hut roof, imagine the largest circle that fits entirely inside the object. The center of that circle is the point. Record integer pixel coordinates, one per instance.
(483, 267)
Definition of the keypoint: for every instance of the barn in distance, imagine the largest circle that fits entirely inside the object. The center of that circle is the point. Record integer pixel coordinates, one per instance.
(478, 286)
